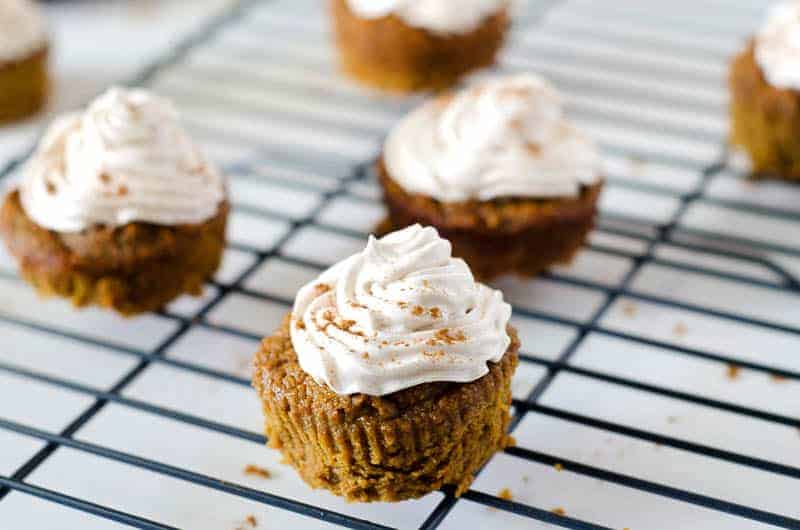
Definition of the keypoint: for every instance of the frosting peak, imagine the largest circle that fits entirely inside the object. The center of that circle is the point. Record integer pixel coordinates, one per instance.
(400, 313)
(439, 16)
(125, 159)
(22, 29)
(504, 137)
(777, 46)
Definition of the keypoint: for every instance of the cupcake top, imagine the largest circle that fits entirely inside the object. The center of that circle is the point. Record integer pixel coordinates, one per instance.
(503, 137)
(400, 313)
(23, 30)
(777, 46)
(438, 16)
(125, 159)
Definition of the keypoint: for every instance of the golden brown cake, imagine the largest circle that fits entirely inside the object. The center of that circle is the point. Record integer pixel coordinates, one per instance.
(499, 172)
(765, 120)
(764, 82)
(23, 60)
(390, 52)
(117, 208)
(391, 376)
(132, 269)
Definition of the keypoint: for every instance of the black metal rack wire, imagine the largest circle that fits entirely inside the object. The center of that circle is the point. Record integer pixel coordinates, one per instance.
(650, 235)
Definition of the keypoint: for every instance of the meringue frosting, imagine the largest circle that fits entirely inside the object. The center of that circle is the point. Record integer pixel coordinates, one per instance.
(23, 30)
(438, 16)
(125, 159)
(777, 46)
(400, 313)
(502, 137)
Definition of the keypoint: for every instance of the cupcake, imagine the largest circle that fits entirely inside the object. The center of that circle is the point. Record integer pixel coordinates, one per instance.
(390, 377)
(117, 207)
(23, 60)
(765, 96)
(499, 172)
(423, 45)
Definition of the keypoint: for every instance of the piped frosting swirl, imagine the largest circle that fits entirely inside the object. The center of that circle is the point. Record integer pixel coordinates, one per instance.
(438, 16)
(23, 30)
(400, 313)
(126, 159)
(777, 46)
(503, 137)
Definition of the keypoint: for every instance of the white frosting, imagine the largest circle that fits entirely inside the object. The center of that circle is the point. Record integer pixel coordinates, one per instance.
(777, 46)
(438, 16)
(401, 313)
(126, 159)
(23, 30)
(504, 137)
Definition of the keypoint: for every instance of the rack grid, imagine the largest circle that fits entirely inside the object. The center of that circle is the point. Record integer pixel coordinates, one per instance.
(660, 384)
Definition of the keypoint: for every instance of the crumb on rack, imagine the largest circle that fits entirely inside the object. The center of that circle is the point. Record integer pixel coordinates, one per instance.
(680, 329)
(505, 494)
(778, 378)
(733, 371)
(559, 466)
(559, 511)
(629, 309)
(525, 479)
(256, 471)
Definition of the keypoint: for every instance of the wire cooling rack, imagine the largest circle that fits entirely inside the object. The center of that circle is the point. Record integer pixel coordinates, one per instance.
(660, 385)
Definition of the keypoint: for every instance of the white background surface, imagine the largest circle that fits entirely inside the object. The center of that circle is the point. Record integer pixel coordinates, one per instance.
(647, 79)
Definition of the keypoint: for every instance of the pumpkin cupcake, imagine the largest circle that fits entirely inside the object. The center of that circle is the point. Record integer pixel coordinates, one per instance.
(765, 96)
(391, 376)
(423, 45)
(23, 60)
(499, 172)
(117, 208)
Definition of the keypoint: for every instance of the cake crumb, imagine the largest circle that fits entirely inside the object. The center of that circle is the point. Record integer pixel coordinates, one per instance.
(249, 522)
(435, 312)
(733, 371)
(559, 511)
(505, 494)
(680, 329)
(256, 471)
(778, 378)
(105, 178)
(629, 309)
(122, 190)
(51, 188)
(365, 355)
(559, 466)
(417, 310)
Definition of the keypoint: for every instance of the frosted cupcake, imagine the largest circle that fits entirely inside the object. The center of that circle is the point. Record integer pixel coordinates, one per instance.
(421, 45)
(23, 59)
(391, 376)
(117, 207)
(499, 171)
(765, 96)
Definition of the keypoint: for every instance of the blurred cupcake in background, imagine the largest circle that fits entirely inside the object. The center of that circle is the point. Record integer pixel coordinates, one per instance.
(499, 171)
(764, 80)
(405, 46)
(23, 59)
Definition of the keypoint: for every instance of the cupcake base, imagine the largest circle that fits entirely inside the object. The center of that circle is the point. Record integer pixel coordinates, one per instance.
(23, 86)
(389, 448)
(517, 236)
(388, 54)
(131, 269)
(765, 121)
